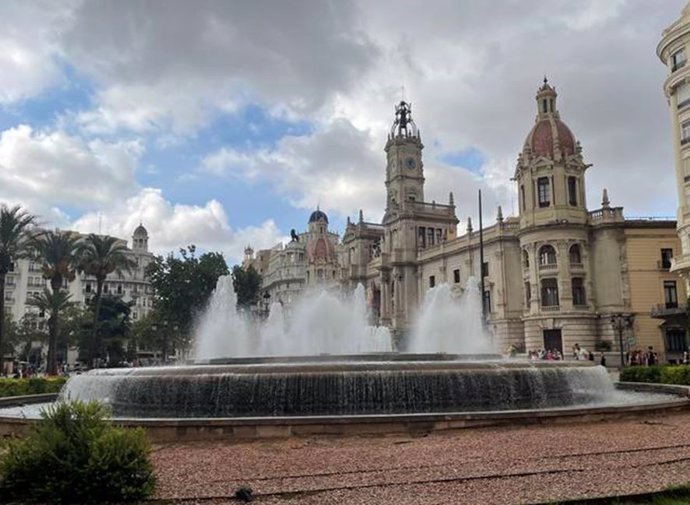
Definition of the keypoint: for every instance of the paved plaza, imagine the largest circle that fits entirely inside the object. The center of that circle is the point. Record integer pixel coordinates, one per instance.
(510, 465)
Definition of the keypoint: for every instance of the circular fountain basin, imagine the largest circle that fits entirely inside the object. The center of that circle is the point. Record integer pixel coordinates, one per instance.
(247, 398)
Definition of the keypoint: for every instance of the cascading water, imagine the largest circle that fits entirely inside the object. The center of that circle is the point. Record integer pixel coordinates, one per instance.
(319, 323)
(451, 324)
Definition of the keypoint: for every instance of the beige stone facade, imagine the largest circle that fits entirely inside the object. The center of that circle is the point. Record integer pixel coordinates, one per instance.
(554, 275)
(673, 50)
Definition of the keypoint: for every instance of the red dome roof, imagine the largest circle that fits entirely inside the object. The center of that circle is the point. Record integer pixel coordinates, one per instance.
(541, 138)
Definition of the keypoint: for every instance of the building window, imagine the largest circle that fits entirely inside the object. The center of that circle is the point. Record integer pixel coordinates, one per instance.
(579, 298)
(685, 133)
(88, 287)
(547, 255)
(575, 255)
(572, 191)
(666, 256)
(456, 276)
(543, 192)
(675, 340)
(439, 235)
(522, 197)
(432, 281)
(421, 234)
(430, 237)
(682, 92)
(525, 259)
(678, 60)
(487, 302)
(670, 294)
(528, 293)
(485, 269)
(549, 293)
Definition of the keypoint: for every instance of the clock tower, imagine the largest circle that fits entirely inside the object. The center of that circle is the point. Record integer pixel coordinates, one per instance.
(404, 171)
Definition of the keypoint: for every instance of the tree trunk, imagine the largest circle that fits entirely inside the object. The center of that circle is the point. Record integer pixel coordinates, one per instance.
(2, 322)
(51, 367)
(96, 311)
(56, 283)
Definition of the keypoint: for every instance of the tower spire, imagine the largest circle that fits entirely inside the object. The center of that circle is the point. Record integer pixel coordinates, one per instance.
(605, 203)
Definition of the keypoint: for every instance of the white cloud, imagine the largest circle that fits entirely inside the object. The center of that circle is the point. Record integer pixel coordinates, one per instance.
(47, 169)
(171, 226)
(342, 169)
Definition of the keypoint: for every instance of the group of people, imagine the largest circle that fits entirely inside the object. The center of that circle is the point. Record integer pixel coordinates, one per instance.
(545, 354)
(646, 358)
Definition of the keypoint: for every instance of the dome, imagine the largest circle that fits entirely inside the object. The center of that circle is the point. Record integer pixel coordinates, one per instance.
(318, 215)
(542, 139)
(140, 231)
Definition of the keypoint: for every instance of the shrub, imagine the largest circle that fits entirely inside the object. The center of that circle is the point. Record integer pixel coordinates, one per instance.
(641, 374)
(33, 386)
(75, 455)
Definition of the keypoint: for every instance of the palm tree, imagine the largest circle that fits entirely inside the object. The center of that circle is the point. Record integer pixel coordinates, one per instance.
(101, 256)
(59, 252)
(51, 303)
(15, 224)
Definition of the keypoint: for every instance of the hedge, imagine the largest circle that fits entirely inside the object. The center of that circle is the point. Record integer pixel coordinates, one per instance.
(33, 386)
(668, 374)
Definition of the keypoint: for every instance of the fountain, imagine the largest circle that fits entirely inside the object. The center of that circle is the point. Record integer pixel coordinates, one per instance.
(321, 367)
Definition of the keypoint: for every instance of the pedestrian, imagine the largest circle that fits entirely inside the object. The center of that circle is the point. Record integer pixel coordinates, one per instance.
(602, 359)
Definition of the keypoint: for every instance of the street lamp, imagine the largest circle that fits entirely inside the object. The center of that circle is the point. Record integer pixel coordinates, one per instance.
(621, 322)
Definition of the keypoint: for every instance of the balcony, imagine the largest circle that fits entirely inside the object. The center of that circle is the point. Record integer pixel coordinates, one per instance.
(548, 267)
(678, 65)
(664, 265)
(685, 141)
(577, 266)
(550, 308)
(680, 263)
(666, 310)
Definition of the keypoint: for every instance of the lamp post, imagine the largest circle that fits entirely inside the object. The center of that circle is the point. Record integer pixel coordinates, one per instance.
(622, 322)
(267, 303)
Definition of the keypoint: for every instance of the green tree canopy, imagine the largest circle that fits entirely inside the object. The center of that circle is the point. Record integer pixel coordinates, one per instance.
(110, 343)
(247, 284)
(15, 226)
(183, 285)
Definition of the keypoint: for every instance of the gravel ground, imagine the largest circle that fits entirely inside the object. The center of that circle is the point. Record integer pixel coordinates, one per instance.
(478, 466)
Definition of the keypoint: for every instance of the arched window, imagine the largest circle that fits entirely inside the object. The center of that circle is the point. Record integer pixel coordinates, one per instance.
(525, 259)
(575, 255)
(547, 255)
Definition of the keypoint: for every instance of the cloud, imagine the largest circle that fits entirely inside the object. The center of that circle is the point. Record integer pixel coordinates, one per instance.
(171, 226)
(340, 168)
(48, 169)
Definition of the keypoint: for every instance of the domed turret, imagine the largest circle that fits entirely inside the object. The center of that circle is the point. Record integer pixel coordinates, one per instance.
(318, 216)
(549, 134)
(140, 238)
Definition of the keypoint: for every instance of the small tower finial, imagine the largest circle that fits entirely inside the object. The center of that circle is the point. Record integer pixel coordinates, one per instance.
(451, 199)
(605, 203)
(469, 225)
(361, 216)
(546, 80)
(499, 214)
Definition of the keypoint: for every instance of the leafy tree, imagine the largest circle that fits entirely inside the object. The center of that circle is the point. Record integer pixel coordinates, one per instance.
(15, 228)
(247, 284)
(183, 285)
(101, 256)
(59, 252)
(51, 303)
(114, 324)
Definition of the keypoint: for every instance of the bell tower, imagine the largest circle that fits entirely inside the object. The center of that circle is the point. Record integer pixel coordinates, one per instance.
(404, 170)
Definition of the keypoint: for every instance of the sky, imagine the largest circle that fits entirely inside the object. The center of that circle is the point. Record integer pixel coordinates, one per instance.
(226, 123)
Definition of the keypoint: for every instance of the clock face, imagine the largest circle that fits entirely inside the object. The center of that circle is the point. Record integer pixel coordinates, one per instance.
(410, 163)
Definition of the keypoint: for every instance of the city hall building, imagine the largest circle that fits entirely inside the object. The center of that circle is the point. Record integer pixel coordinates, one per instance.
(554, 275)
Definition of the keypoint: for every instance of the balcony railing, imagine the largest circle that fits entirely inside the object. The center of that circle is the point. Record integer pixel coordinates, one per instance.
(668, 309)
(550, 308)
(548, 266)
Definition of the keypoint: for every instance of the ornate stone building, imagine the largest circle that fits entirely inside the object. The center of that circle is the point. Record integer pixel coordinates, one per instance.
(554, 275)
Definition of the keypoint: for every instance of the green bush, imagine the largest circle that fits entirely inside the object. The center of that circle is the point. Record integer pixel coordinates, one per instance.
(669, 374)
(33, 386)
(75, 455)
(641, 374)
